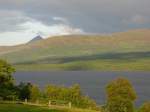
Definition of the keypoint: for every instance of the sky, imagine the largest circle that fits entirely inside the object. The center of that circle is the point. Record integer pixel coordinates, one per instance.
(22, 20)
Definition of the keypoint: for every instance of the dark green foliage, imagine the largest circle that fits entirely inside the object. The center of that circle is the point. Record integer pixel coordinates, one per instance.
(7, 88)
(8, 93)
(120, 96)
(24, 90)
(145, 107)
(6, 71)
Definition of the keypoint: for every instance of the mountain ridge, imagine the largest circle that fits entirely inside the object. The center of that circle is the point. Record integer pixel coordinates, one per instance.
(72, 48)
(37, 38)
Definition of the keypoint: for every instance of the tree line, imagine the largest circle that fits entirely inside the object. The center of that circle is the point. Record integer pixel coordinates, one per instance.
(10, 91)
(120, 93)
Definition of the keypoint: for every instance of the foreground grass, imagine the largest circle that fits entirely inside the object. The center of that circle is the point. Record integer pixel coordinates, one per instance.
(28, 108)
(24, 108)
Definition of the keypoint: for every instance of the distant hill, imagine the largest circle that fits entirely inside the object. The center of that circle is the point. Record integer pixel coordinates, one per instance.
(37, 38)
(119, 51)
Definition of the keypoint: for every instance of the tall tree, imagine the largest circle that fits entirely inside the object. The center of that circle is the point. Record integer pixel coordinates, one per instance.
(24, 91)
(120, 96)
(6, 80)
(6, 71)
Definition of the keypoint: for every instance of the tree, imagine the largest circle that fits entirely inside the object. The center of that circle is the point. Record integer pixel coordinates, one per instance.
(6, 71)
(6, 80)
(75, 94)
(35, 93)
(24, 91)
(120, 96)
(145, 107)
(71, 94)
(52, 92)
(87, 102)
(118, 104)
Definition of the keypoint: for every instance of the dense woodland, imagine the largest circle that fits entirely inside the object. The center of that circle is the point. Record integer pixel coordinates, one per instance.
(120, 93)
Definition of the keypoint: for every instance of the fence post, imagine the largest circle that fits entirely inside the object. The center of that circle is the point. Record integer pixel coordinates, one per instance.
(69, 104)
(49, 103)
(26, 101)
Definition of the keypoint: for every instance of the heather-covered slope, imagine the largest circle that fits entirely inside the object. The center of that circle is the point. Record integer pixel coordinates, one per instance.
(118, 51)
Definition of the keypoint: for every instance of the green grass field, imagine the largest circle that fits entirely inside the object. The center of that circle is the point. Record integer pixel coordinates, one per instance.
(24, 108)
(27, 108)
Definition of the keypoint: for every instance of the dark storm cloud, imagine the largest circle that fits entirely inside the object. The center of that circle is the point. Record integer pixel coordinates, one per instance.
(91, 15)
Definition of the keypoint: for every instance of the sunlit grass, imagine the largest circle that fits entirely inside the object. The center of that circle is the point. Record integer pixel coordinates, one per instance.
(27, 108)
(24, 108)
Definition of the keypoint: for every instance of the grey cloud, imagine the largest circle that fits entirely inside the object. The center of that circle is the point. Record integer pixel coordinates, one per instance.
(10, 19)
(91, 15)
(137, 19)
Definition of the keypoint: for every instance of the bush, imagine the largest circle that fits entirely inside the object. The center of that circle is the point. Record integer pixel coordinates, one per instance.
(71, 94)
(35, 93)
(118, 104)
(120, 96)
(145, 107)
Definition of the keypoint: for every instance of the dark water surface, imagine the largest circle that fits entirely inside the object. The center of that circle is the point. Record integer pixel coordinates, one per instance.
(92, 83)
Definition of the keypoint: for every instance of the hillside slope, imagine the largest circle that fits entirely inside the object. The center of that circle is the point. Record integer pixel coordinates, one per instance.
(78, 52)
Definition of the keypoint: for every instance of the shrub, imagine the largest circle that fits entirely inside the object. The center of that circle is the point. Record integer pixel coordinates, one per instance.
(120, 96)
(145, 107)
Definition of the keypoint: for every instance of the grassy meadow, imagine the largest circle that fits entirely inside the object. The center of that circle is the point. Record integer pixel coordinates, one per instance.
(28, 108)
(24, 108)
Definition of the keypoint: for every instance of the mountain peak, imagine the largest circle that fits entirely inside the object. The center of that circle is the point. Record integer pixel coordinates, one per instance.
(37, 38)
